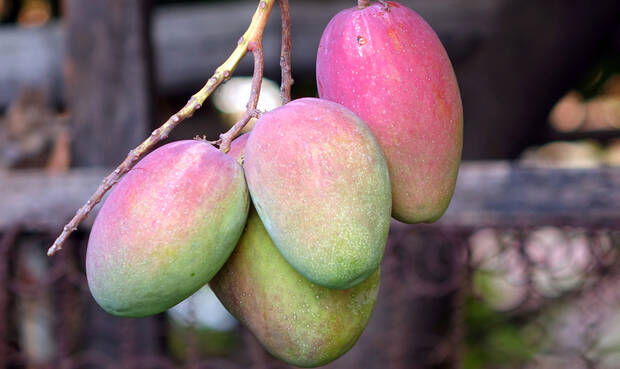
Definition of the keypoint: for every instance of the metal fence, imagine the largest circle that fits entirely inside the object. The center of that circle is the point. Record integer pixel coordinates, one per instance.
(557, 286)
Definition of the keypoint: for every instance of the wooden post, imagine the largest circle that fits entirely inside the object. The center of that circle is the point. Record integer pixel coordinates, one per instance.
(108, 77)
(109, 88)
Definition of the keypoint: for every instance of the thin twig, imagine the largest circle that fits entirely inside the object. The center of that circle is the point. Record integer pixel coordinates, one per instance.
(257, 80)
(250, 38)
(285, 55)
(361, 4)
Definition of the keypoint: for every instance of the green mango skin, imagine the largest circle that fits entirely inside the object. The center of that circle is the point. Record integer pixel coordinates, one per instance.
(299, 322)
(166, 228)
(389, 68)
(320, 184)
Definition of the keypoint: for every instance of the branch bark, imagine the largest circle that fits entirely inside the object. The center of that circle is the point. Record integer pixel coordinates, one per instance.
(285, 54)
(257, 80)
(250, 39)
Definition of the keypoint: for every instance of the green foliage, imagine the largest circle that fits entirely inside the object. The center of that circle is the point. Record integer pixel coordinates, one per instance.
(592, 83)
(208, 341)
(494, 339)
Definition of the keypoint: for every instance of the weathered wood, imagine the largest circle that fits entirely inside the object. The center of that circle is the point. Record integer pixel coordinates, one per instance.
(108, 73)
(497, 194)
(502, 194)
(38, 200)
(190, 41)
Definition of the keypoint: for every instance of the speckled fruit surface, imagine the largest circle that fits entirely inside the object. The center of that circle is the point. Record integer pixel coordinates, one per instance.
(302, 323)
(166, 228)
(389, 67)
(320, 184)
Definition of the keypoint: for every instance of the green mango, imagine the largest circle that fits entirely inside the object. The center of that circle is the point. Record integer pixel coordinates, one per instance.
(320, 184)
(300, 322)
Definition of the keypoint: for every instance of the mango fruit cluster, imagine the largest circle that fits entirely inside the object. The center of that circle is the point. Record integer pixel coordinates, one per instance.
(289, 227)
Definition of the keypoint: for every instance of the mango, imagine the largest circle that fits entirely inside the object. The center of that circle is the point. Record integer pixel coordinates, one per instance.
(320, 184)
(388, 66)
(166, 228)
(237, 147)
(299, 322)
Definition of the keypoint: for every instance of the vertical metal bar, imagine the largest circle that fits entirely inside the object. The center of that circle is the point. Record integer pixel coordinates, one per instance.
(7, 241)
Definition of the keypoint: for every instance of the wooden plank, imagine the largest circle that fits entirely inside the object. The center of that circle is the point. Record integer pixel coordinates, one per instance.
(109, 78)
(498, 194)
(39, 200)
(501, 194)
(190, 41)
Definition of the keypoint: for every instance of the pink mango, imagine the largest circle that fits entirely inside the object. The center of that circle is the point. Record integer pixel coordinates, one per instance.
(389, 67)
(166, 228)
(320, 183)
(237, 147)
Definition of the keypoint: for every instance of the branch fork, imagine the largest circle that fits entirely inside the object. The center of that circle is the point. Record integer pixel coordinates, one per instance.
(251, 41)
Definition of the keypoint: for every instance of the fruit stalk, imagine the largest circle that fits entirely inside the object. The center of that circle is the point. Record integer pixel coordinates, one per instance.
(361, 4)
(286, 84)
(251, 112)
(285, 55)
(250, 41)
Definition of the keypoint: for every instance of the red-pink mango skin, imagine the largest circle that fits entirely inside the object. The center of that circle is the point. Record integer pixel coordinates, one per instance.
(166, 228)
(390, 68)
(237, 147)
(320, 183)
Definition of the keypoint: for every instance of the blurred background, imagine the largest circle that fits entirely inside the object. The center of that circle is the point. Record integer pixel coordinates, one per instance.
(523, 271)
